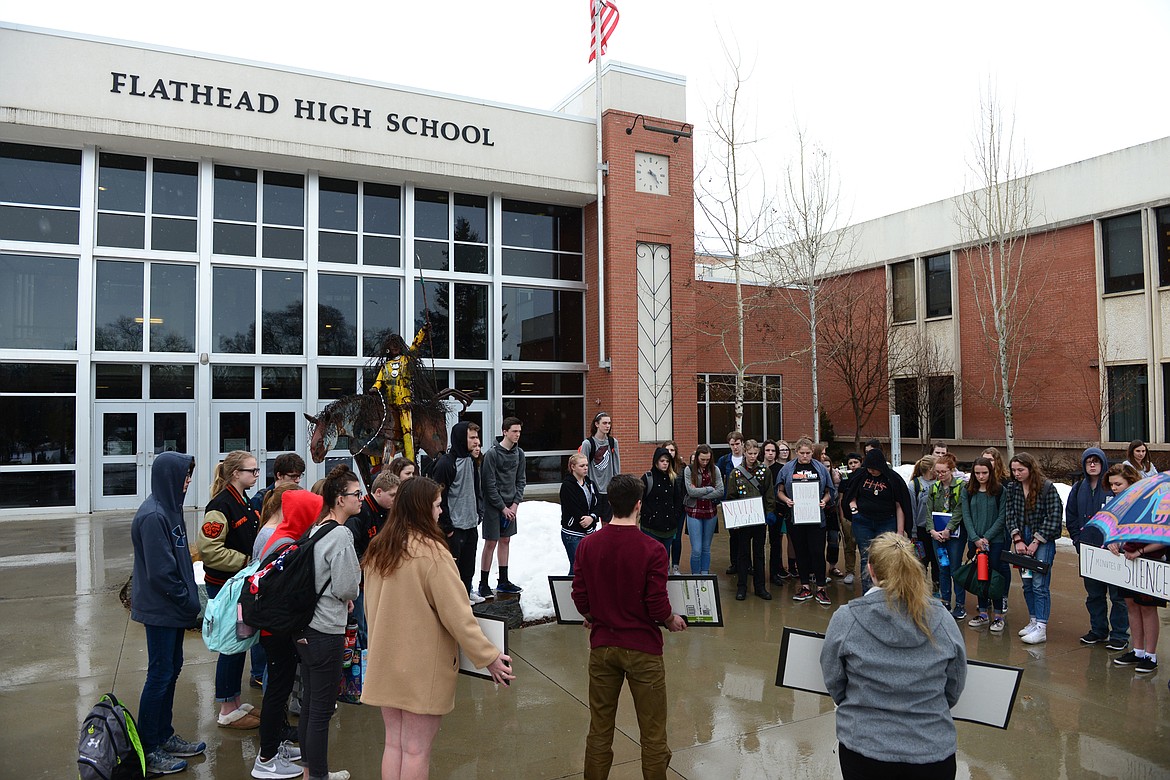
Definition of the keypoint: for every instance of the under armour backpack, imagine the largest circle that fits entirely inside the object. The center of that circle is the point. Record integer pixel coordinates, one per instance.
(221, 633)
(281, 596)
(109, 748)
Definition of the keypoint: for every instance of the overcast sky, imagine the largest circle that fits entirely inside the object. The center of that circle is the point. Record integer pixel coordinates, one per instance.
(890, 90)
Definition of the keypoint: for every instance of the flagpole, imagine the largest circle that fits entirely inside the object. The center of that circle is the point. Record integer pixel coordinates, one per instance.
(602, 355)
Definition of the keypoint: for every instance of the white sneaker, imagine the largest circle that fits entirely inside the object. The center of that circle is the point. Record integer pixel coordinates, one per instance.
(340, 774)
(476, 598)
(674, 571)
(1028, 628)
(277, 767)
(289, 751)
(1037, 635)
(848, 579)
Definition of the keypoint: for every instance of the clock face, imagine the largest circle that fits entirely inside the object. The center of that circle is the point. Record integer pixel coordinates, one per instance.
(651, 173)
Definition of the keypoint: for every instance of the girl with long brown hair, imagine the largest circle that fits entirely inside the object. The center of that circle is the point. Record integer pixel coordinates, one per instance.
(983, 519)
(894, 659)
(1034, 515)
(704, 486)
(419, 617)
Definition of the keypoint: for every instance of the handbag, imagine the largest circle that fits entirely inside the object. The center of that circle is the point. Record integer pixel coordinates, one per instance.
(967, 578)
(1023, 562)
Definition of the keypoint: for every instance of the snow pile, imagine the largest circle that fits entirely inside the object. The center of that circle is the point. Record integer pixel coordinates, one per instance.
(537, 552)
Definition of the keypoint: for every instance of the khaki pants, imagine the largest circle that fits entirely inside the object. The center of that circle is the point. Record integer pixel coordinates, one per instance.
(646, 674)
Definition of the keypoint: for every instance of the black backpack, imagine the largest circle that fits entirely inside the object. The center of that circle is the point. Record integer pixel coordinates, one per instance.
(281, 596)
(109, 748)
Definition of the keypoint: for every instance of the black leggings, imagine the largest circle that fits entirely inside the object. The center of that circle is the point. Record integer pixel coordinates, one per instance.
(282, 670)
(809, 541)
(321, 674)
(855, 766)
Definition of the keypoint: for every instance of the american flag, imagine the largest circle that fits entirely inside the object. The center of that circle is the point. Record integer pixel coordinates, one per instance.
(609, 20)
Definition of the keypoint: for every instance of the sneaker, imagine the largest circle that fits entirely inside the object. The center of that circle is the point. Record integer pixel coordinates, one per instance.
(731, 570)
(823, 598)
(256, 681)
(276, 767)
(804, 594)
(835, 572)
(1129, 659)
(289, 751)
(764, 594)
(476, 598)
(849, 578)
(777, 579)
(289, 734)
(177, 746)
(959, 613)
(674, 571)
(1037, 635)
(740, 593)
(340, 774)
(160, 762)
(1116, 645)
(979, 621)
(1146, 665)
(507, 586)
(486, 591)
(1028, 628)
(997, 626)
(1092, 639)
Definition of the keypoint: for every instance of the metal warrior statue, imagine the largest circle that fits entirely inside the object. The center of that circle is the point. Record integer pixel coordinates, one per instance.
(400, 413)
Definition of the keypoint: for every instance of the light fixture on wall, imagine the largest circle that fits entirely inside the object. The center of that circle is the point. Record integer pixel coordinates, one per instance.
(677, 134)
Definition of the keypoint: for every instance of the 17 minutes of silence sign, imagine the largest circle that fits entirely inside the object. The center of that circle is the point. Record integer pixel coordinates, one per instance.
(1140, 575)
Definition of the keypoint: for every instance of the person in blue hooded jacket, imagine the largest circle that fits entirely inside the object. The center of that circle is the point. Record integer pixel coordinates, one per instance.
(1085, 499)
(164, 598)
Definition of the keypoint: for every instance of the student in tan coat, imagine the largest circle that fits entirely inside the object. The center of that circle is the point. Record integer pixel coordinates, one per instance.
(419, 617)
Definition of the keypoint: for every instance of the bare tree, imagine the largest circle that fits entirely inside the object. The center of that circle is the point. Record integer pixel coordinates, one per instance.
(855, 326)
(734, 200)
(809, 245)
(994, 220)
(925, 372)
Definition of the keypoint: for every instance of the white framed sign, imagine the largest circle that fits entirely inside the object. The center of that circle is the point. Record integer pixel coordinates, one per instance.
(695, 598)
(988, 696)
(806, 506)
(496, 630)
(1141, 575)
(742, 512)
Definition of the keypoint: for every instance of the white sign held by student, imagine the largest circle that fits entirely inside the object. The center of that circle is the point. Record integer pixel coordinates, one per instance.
(1141, 575)
(742, 512)
(806, 506)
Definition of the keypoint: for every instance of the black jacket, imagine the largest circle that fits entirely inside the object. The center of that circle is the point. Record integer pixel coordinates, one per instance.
(574, 506)
(365, 524)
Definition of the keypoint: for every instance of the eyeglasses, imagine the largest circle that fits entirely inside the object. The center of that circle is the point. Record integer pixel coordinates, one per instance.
(293, 477)
(354, 494)
(253, 472)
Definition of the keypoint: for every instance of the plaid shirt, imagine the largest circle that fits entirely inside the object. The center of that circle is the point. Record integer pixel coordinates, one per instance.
(1044, 519)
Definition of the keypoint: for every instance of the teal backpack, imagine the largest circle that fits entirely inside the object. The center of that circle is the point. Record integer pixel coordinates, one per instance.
(224, 630)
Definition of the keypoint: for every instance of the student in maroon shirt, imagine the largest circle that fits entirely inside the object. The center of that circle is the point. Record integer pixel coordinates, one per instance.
(619, 585)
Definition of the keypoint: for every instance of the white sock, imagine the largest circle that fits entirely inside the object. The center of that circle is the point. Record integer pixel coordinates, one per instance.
(1152, 656)
(1139, 653)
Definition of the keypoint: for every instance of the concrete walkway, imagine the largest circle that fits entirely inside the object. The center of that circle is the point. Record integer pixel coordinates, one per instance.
(67, 639)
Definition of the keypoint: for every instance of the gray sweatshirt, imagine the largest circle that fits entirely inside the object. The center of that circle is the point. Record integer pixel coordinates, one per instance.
(604, 464)
(336, 563)
(893, 686)
(503, 476)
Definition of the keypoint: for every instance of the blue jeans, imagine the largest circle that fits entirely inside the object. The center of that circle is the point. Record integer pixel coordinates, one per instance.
(1116, 624)
(955, 548)
(676, 545)
(164, 652)
(229, 669)
(1036, 593)
(570, 541)
(865, 530)
(701, 532)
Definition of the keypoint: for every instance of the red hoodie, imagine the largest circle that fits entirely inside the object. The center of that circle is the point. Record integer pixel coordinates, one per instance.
(300, 509)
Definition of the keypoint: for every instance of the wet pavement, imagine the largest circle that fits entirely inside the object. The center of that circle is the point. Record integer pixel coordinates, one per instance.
(67, 639)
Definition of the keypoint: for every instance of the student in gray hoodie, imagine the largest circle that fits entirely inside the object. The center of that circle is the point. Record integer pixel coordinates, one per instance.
(503, 490)
(895, 664)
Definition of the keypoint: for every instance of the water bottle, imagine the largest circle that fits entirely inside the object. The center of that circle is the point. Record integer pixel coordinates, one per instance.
(944, 560)
(983, 566)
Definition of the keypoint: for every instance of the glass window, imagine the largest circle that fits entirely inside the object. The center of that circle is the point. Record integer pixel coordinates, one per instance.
(38, 302)
(38, 378)
(902, 280)
(551, 405)
(762, 409)
(1166, 402)
(471, 321)
(542, 265)
(906, 407)
(474, 383)
(337, 210)
(1163, 218)
(284, 204)
(382, 209)
(431, 211)
(283, 314)
(471, 218)
(335, 382)
(431, 306)
(237, 382)
(118, 380)
(542, 226)
(282, 382)
(549, 423)
(938, 286)
(170, 381)
(1121, 249)
(337, 315)
(40, 176)
(37, 429)
(21, 489)
(175, 194)
(942, 406)
(1129, 402)
(542, 383)
(235, 200)
(540, 324)
(172, 307)
(118, 308)
(121, 188)
(381, 312)
(233, 310)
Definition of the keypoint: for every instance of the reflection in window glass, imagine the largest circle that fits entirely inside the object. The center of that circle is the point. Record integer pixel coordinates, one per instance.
(938, 286)
(233, 382)
(38, 302)
(20, 223)
(474, 383)
(431, 214)
(543, 383)
(902, 280)
(716, 408)
(1121, 248)
(235, 431)
(382, 206)
(37, 429)
(233, 310)
(170, 432)
(540, 324)
(337, 315)
(377, 250)
(281, 382)
(541, 226)
(172, 308)
(1129, 403)
(20, 489)
(335, 382)
(176, 188)
(542, 265)
(337, 202)
(235, 193)
(118, 306)
(471, 259)
(549, 423)
(40, 175)
(471, 321)
(381, 312)
(170, 381)
(431, 306)
(471, 218)
(118, 380)
(284, 199)
(432, 255)
(121, 183)
(283, 330)
(38, 378)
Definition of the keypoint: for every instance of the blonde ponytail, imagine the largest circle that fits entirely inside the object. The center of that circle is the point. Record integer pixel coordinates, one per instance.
(897, 569)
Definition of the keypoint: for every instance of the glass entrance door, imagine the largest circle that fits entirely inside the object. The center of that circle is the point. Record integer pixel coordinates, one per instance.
(266, 429)
(127, 438)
